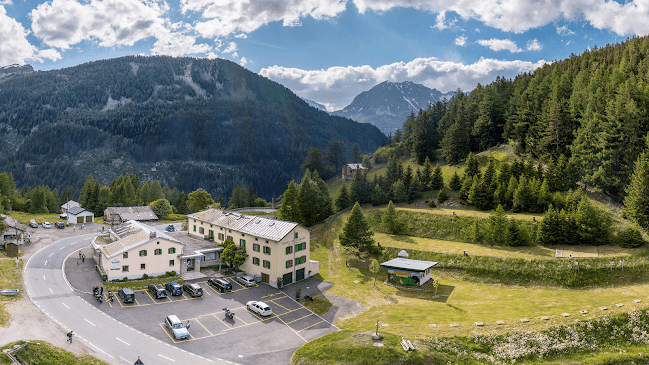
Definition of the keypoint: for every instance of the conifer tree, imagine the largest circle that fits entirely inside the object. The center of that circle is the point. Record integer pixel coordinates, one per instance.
(636, 202)
(442, 196)
(472, 166)
(400, 194)
(466, 187)
(343, 200)
(497, 226)
(290, 210)
(415, 188)
(356, 232)
(456, 183)
(390, 220)
(437, 180)
(426, 173)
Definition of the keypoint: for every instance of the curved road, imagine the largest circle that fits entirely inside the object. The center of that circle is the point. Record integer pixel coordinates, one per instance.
(48, 288)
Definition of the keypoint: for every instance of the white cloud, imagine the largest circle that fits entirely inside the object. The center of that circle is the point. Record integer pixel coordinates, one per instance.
(14, 46)
(500, 45)
(243, 61)
(335, 87)
(6, 2)
(225, 17)
(460, 41)
(534, 45)
(232, 49)
(563, 31)
(64, 23)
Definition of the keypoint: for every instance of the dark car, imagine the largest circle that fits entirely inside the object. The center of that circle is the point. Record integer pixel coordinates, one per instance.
(174, 288)
(170, 228)
(59, 225)
(127, 295)
(221, 285)
(157, 291)
(194, 290)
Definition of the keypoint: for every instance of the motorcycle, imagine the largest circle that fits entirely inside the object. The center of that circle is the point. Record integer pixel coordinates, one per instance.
(110, 297)
(97, 294)
(228, 314)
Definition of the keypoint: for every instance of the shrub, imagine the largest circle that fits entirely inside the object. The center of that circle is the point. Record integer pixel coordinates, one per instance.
(442, 196)
(630, 238)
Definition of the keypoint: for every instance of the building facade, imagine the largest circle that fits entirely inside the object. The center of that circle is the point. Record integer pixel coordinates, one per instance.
(278, 251)
(350, 168)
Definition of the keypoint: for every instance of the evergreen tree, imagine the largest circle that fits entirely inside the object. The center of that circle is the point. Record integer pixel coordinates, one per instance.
(489, 173)
(399, 192)
(290, 210)
(472, 165)
(394, 171)
(86, 191)
(315, 162)
(442, 196)
(437, 180)
(480, 195)
(466, 188)
(336, 155)
(426, 174)
(325, 203)
(379, 197)
(636, 202)
(391, 221)
(456, 183)
(415, 188)
(308, 197)
(356, 232)
(220, 201)
(551, 228)
(515, 235)
(343, 200)
(497, 226)
(356, 153)
(105, 200)
(593, 224)
(630, 238)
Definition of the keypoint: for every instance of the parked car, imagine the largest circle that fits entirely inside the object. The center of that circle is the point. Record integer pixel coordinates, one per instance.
(127, 295)
(59, 225)
(194, 290)
(260, 308)
(170, 228)
(221, 285)
(157, 290)
(47, 225)
(177, 327)
(32, 223)
(174, 288)
(246, 280)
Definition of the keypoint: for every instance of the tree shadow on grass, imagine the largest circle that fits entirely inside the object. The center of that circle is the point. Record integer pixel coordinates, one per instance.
(426, 292)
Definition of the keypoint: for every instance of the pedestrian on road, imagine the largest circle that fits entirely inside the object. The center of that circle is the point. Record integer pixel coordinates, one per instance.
(79, 253)
(83, 258)
(70, 336)
(83, 226)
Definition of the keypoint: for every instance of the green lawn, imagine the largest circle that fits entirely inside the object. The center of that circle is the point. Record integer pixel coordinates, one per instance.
(24, 218)
(43, 353)
(10, 278)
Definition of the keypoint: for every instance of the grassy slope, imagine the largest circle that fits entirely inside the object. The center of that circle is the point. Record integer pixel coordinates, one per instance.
(43, 353)
(10, 278)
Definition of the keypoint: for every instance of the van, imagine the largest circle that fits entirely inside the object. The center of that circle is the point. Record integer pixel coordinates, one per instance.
(177, 327)
(127, 295)
(157, 291)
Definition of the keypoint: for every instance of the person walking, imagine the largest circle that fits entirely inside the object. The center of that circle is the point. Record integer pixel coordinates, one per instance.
(83, 258)
(70, 336)
(79, 253)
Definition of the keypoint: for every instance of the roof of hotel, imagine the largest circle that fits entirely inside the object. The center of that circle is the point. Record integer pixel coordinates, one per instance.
(140, 213)
(271, 229)
(131, 235)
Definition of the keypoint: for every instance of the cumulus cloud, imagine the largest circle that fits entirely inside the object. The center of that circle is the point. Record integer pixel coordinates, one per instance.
(14, 46)
(563, 31)
(232, 49)
(225, 17)
(243, 61)
(335, 87)
(500, 45)
(64, 23)
(534, 45)
(460, 41)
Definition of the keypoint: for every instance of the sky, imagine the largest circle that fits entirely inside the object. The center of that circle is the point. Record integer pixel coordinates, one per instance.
(327, 51)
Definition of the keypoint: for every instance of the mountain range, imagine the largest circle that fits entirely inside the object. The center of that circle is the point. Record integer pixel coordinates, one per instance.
(388, 104)
(184, 121)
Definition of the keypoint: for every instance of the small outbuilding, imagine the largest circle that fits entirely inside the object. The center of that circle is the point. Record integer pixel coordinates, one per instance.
(80, 215)
(119, 215)
(65, 208)
(350, 168)
(408, 271)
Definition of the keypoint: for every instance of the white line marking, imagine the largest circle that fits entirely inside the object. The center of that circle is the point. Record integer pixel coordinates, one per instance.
(45, 264)
(120, 340)
(99, 349)
(124, 359)
(65, 305)
(61, 248)
(43, 277)
(89, 322)
(51, 254)
(51, 291)
(167, 358)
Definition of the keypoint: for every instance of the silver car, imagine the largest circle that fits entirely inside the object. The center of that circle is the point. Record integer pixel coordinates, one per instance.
(177, 327)
(246, 280)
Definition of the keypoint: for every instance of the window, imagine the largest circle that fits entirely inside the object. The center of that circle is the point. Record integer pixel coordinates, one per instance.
(221, 236)
(194, 228)
(125, 255)
(142, 252)
(230, 238)
(242, 243)
(289, 264)
(289, 250)
(255, 261)
(256, 239)
(157, 251)
(172, 250)
(172, 263)
(267, 264)
(295, 234)
(125, 268)
(142, 266)
(300, 246)
(256, 247)
(300, 260)
(201, 230)
(267, 250)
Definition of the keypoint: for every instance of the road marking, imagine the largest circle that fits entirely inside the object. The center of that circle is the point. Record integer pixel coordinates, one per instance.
(89, 322)
(61, 248)
(303, 329)
(119, 339)
(65, 305)
(51, 254)
(51, 291)
(44, 278)
(299, 318)
(167, 358)
(100, 350)
(45, 264)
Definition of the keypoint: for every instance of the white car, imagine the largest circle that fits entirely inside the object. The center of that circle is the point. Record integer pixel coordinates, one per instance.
(260, 308)
(246, 280)
(47, 225)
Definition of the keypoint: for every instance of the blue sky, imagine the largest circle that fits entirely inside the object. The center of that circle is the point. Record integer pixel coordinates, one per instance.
(324, 50)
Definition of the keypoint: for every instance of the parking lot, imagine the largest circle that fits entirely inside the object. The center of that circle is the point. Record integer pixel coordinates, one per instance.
(245, 339)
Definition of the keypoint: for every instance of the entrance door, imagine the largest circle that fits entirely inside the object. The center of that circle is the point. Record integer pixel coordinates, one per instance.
(79, 219)
(287, 278)
(299, 275)
(190, 264)
(264, 278)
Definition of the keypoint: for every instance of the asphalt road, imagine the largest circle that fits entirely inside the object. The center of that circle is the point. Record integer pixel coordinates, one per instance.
(47, 287)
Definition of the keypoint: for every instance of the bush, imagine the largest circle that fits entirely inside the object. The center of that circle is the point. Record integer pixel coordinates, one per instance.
(630, 238)
(442, 196)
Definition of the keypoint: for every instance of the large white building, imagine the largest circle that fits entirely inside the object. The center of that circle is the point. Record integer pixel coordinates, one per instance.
(278, 251)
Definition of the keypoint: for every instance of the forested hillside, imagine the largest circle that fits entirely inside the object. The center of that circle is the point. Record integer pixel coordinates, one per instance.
(591, 109)
(187, 122)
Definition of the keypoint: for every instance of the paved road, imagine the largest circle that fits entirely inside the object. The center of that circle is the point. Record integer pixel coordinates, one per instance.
(48, 289)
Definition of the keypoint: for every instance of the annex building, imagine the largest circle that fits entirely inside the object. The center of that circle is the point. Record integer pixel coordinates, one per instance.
(134, 249)
(278, 251)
